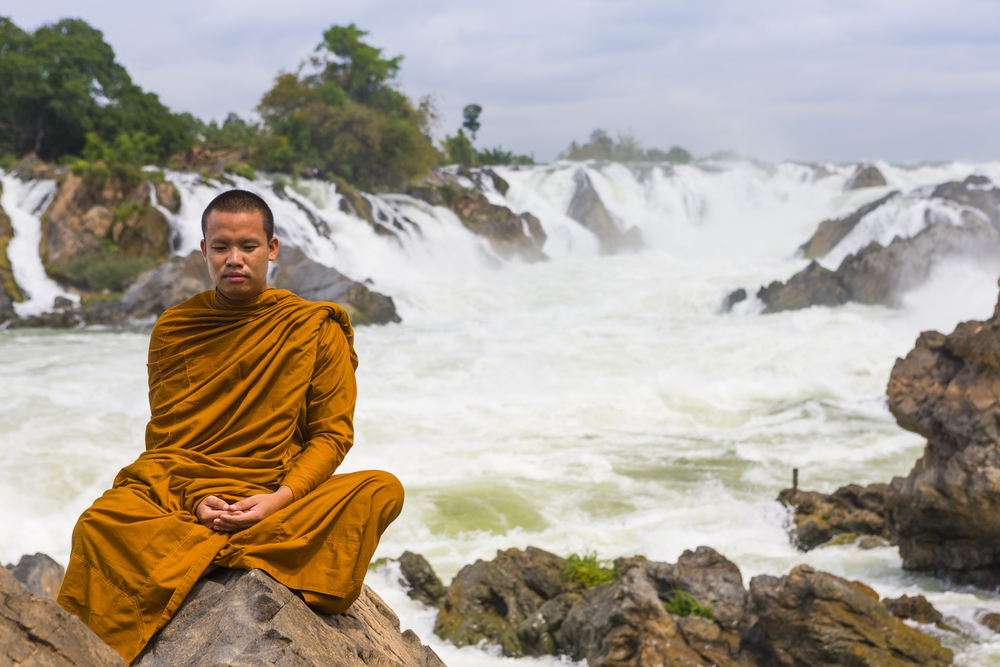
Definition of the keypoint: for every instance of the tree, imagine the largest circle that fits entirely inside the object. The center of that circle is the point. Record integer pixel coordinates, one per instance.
(626, 149)
(471, 115)
(459, 150)
(62, 82)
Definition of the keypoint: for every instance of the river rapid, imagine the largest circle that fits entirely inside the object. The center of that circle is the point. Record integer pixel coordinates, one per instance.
(585, 403)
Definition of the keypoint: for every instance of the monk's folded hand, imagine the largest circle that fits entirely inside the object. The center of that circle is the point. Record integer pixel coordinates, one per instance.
(209, 510)
(252, 510)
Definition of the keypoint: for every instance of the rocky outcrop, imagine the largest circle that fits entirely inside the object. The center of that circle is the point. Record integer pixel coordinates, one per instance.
(831, 232)
(865, 176)
(37, 631)
(39, 574)
(419, 577)
(172, 282)
(504, 230)
(916, 609)
(946, 512)
(849, 513)
(881, 275)
(314, 282)
(523, 602)
(9, 288)
(211, 156)
(587, 208)
(246, 618)
(815, 618)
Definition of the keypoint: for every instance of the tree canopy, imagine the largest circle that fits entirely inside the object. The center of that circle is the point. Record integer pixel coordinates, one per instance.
(62, 82)
(627, 149)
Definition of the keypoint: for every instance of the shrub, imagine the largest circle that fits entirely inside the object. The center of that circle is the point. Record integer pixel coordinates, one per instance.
(589, 570)
(244, 170)
(104, 270)
(682, 603)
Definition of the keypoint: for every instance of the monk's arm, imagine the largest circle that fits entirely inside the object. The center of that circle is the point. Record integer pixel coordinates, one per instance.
(329, 413)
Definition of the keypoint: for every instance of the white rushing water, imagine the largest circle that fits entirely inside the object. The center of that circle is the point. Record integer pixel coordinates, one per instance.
(585, 403)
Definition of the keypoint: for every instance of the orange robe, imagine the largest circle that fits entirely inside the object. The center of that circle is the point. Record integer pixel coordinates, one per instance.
(244, 399)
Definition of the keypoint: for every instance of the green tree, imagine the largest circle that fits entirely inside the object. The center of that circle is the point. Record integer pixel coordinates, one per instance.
(471, 115)
(627, 149)
(459, 150)
(62, 82)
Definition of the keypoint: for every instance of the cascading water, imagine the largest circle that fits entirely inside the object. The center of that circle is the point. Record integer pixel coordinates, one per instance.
(585, 403)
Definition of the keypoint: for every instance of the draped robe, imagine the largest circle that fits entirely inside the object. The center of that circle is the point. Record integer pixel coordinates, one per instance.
(243, 399)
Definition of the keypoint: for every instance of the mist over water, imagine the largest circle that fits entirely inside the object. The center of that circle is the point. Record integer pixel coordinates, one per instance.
(585, 403)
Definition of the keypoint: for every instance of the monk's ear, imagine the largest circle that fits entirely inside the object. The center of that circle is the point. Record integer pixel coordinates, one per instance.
(272, 249)
(204, 250)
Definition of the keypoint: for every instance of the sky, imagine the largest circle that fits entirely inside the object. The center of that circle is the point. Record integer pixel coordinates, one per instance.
(805, 80)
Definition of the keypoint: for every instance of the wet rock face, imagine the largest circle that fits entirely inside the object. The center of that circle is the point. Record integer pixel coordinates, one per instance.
(37, 631)
(815, 618)
(916, 609)
(947, 510)
(587, 208)
(246, 618)
(866, 176)
(831, 232)
(172, 282)
(39, 574)
(419, 576)
(9, 289)
(849, 512)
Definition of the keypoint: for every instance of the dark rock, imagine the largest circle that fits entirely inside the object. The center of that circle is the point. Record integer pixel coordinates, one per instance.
(62, 303)
(6, 307)
(865, 176)
(172, 282)
(419, 576)
(63, 319)
(246, 618)
(498, 224)
(314, 282)
(915, 609)
(707, 575)
(587, 208)
(850, 511)
(733, 298)
(967, 193)
(168, 196)
(489, 600)
(9, 288)
(831, 232)
(946, 511)
(501, 185)
(39, 574)
(989, 620)
(815, 618)
(37, 631)
(977, 179)
(535, 230)
(353, 202)
(812, 286)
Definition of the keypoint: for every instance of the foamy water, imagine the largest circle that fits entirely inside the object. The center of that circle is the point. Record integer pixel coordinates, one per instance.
(586, 403)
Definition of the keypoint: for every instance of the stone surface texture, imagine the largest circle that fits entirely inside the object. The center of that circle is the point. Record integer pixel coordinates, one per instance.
(850, 511)
(587, 208)
(39, 574)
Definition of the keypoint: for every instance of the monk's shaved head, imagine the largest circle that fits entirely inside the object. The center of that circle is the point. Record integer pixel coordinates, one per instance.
(240, 201)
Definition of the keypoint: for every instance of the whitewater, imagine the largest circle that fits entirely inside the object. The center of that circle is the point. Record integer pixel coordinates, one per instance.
(585, 403)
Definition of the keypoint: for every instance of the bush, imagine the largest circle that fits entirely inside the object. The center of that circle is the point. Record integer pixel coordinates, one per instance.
(244, 170)
(104, 270)
(589, 570)
(497, 156)
(682, 603)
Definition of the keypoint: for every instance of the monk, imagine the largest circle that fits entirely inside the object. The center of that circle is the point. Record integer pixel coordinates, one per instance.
(251, 393)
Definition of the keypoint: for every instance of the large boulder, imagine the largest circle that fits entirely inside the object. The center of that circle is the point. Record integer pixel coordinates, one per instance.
(421, 580)
(946, 512)
(831, 232)
(814, 618)
(172, 282)
(312, 281)
(846, 514)
(587, 208)
(39, 574)
(246, 618)
(37, 631)
(865, 176)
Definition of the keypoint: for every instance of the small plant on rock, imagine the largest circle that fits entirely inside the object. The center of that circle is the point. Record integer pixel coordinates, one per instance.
(589, 570)
(682, 603)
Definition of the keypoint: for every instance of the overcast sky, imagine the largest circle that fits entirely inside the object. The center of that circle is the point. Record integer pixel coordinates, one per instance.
(804, 80)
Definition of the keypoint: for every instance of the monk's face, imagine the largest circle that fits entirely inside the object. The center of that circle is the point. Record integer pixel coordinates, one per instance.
(237, 251)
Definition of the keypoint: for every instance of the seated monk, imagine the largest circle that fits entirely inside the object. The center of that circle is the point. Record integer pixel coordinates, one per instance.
(251, 392)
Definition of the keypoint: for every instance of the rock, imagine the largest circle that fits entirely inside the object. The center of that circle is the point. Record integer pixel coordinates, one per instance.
(419, 576)
(168, 196)
(213, 156)
(587, 208)
(501, 185)
(498, 224)
(850, 510)
(815, 618)
(63, 319)
(707, 575)
(39, 574)
(535, 230)
(354, 203)
(946, 510)
(812, 286)
(37, 631)
(172, 282)
(314, 282)
(831, 232)
(488, 600)
(971, 193)
(6, 307)
(865, 176)
(733, 298)
(31, 167)
(245, 617)
(989, 620)
(8, 286)
(916, 609)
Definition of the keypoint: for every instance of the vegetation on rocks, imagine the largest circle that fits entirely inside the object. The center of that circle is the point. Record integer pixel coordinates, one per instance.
(682, 603)
(589, 570)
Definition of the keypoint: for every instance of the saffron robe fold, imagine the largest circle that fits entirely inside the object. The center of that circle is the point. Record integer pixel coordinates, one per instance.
(244, 399)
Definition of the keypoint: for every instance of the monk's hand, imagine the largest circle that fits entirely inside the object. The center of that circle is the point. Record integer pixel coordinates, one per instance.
(210, 510)
(254, 509)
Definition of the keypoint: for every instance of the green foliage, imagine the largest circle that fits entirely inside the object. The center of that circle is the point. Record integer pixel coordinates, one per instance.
(234, 131)
(244, 170)
(125, 211)
(682, 603)
(62, 82)
(458, 150)
(627, 149)
(450, 193)
(104, 270)
(498, 155)
(589, 570)
(471, 119)
(344, 119)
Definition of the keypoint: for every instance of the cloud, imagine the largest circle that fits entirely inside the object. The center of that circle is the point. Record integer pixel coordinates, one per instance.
(803, 80)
